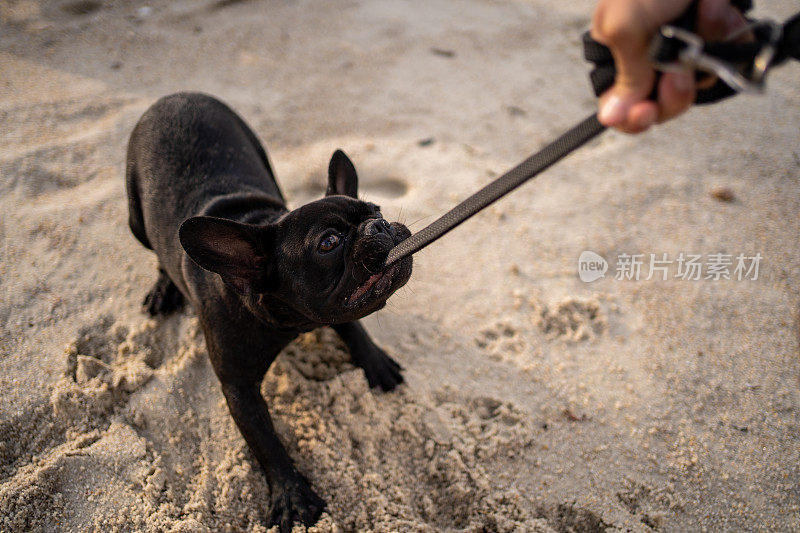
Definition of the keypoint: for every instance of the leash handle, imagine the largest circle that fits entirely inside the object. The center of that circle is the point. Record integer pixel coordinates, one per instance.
(576, 137)
(740, 67)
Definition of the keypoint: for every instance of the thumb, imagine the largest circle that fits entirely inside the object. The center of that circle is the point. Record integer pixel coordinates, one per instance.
(625, 105)
(629, 43)
(626, 27)
(635, 73)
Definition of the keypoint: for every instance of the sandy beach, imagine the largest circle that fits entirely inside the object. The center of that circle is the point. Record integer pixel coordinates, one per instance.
(645, 400)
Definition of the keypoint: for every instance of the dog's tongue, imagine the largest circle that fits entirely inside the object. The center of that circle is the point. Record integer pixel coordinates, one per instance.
(380, 281)
(359, 292)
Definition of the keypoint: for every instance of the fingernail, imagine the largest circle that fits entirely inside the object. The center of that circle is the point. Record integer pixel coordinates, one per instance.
(612, 111)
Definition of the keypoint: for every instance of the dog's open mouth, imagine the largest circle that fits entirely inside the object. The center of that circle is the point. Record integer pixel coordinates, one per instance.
(375, 286)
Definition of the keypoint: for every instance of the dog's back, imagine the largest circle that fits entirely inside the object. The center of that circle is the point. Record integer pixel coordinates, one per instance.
(191, 154)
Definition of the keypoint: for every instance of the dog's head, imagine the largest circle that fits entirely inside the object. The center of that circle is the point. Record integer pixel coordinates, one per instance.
(323, 260)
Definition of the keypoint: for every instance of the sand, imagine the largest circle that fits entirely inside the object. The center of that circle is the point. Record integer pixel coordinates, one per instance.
(534, 401)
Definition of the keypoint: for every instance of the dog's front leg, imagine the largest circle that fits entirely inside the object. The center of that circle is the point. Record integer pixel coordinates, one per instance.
(380, 369)
(241, 349)
(292, 499)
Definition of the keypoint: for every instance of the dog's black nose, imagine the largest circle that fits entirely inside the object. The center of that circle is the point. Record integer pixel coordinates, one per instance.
(376, 238)
(377, 225)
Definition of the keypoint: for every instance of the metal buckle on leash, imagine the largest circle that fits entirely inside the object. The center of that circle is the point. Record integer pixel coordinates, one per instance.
(693, 57)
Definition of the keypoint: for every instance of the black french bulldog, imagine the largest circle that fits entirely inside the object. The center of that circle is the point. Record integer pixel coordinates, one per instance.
(203, 197)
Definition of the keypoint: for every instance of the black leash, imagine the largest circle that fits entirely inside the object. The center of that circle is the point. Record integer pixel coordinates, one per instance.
(740, 67)
(579, 135)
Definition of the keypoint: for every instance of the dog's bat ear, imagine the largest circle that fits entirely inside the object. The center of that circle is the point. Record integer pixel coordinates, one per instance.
(342, 178)
(235, 251)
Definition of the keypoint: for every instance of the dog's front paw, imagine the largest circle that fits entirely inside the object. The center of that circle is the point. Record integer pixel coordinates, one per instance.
(381, 370)
(294, 502)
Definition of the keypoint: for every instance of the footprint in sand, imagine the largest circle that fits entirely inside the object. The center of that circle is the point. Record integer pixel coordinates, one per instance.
(221, 4)
(381, 188)
(572, 319)
(389, 188)
(113, 357)
(81, 7)
(501, 341)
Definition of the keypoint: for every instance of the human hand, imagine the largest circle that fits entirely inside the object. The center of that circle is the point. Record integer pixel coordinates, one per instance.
(626, 27)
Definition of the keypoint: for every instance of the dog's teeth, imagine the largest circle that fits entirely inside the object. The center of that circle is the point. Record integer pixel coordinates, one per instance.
(379, 281)
(383, 284)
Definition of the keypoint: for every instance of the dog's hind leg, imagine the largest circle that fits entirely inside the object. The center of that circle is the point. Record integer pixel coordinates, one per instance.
(164, 297)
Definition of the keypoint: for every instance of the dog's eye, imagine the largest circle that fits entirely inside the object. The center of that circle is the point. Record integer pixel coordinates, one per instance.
(329, 243)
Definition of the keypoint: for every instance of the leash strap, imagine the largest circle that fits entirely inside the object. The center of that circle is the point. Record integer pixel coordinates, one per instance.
(739, 66)
(576, 137)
